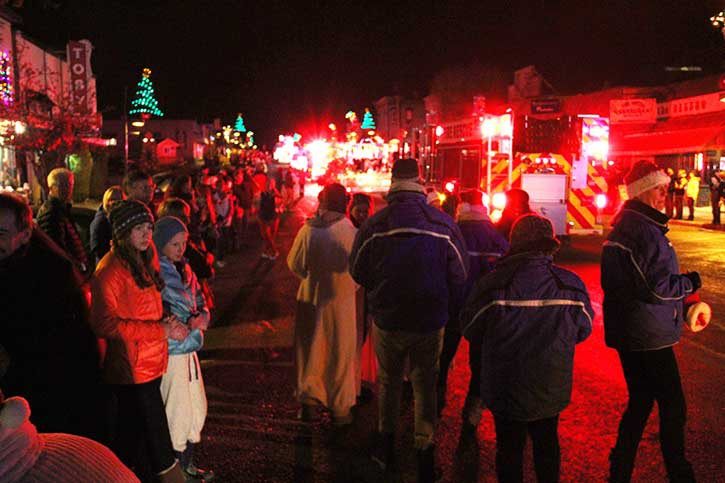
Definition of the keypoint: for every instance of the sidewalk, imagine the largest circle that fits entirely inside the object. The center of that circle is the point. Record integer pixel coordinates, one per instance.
(703, 219)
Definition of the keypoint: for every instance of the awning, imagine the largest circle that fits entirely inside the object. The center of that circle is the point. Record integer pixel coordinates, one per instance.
(675, 136)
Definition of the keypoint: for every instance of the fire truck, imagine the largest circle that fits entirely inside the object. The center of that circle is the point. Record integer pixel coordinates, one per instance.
(561, 162)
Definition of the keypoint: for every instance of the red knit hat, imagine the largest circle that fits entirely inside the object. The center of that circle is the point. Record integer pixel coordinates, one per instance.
(644, 176)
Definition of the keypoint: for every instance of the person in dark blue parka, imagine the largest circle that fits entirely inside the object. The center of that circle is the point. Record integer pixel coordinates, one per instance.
(527, 315)
(485, 245)
(644, 294)
(409, 257)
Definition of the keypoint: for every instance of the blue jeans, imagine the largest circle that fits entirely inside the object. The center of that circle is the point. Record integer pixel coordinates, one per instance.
(423, 352)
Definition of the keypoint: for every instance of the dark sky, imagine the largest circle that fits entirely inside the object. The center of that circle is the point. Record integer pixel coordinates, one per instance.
(294, 65)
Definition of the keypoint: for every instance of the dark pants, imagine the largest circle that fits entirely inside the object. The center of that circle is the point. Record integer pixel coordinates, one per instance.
(224, 242)
(652, 376)
(679, 201)
(691, 208)
(510, 443)
(141, 437)
(715, 203)
(670, 204)
(451, 340)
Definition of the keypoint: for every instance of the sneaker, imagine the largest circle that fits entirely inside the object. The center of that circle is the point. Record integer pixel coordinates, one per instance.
(197, 474)
(220, 264)
(264, 255)
(273, 256)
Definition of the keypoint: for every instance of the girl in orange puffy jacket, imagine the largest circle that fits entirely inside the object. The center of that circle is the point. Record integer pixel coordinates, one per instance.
(127, 313)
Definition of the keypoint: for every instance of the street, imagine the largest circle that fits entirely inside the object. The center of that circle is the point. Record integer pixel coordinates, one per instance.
(252, 434)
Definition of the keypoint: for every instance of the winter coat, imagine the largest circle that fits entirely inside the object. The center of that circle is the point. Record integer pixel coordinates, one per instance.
(485, 245)
(55, 220)
(643, 287)
(528, 315)
(54, 356)
(693, 187)
(183, 298)
(101, 234)
(325, 323)
(128, 317)
(409, 256)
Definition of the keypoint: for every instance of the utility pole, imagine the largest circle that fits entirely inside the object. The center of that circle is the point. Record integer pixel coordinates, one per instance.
(125, 131)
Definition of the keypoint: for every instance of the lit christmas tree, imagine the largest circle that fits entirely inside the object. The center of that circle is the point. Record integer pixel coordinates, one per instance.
(368, 123)
(145, 103)
(239, 124)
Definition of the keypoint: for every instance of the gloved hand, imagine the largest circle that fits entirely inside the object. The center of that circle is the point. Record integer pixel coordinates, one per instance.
(695, 279)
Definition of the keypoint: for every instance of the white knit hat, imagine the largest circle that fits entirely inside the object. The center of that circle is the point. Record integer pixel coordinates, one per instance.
(644, 176)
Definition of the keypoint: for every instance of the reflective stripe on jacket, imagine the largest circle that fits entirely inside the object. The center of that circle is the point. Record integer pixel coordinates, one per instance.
(528, 315)
(409, 256)
(643, 287)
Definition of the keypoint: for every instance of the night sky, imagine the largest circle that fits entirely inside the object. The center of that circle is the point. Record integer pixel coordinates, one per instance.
(298, 65)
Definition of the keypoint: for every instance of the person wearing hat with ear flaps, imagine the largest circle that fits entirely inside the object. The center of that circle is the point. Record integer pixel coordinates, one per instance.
(644, 294)
(527, 314)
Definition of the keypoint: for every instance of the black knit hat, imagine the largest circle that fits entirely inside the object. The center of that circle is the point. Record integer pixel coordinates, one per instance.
(334, 197)
(361, 199)
(126, 214)
(533, 233)
(406, 168)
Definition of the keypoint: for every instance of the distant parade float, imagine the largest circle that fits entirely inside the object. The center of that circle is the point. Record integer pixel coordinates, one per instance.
(361, 162)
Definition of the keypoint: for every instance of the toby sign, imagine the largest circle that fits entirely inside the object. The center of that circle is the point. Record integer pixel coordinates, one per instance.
(79, 61)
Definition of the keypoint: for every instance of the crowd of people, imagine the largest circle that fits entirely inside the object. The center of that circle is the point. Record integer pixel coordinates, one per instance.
(432, 273)
(105, 344)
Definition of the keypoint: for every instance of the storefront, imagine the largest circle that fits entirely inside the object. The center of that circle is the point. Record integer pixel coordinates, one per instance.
(688, 133)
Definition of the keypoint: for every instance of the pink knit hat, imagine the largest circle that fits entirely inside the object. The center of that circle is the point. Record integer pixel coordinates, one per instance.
(644, 176)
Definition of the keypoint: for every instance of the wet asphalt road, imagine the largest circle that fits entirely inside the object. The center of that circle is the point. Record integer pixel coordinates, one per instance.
(252, 434)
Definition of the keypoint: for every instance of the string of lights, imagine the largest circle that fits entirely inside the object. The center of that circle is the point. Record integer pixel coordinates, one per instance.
(6, 79)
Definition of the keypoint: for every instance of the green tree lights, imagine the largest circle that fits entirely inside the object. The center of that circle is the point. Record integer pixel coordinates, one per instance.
(368, 123)
(145, 103)
(239, 124)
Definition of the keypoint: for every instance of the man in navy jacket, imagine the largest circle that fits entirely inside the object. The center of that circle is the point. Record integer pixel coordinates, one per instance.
(485, 245)
(644, 293)
(527, 315)
(409, 257)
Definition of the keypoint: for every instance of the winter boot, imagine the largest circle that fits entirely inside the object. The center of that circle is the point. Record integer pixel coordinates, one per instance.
(191, 470)
(173, 475)
(620, 467)
(383, 451)
(427, 471)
